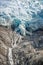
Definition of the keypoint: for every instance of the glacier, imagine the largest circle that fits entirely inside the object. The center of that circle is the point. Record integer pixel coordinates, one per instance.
(23, 16)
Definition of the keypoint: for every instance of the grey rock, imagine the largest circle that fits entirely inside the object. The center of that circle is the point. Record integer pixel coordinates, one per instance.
(20, 50)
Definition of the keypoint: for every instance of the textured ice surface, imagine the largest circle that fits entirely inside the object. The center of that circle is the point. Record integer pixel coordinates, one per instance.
(23, 16)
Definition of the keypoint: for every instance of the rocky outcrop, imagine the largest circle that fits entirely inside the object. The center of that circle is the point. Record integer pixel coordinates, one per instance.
(20, 50)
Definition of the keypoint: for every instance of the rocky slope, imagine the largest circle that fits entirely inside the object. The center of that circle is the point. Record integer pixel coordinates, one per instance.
(20, 50)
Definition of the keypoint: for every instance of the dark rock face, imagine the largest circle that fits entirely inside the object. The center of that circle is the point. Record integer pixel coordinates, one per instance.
(20, 50)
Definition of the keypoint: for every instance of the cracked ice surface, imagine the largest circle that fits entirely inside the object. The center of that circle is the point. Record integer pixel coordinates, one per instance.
(24, 16)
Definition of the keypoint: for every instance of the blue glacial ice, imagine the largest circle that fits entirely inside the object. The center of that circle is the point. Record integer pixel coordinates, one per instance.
(23, 16)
